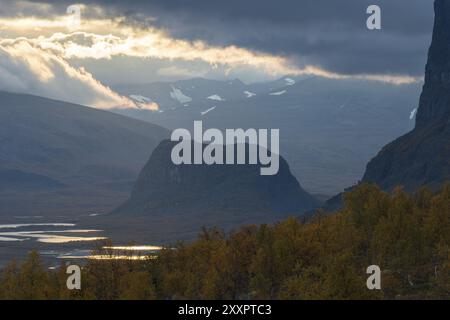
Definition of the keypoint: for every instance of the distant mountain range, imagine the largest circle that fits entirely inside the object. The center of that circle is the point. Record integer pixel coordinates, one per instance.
(329, 128)
(56, 156)
(422, 157)
(61, 157)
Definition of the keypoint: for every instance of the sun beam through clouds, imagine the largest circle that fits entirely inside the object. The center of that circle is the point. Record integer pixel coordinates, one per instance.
(36, 55)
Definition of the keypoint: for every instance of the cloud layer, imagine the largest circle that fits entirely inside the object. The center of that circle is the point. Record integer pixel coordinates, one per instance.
(146, 42)
(39, 47)
(327, 34)
(26, 68)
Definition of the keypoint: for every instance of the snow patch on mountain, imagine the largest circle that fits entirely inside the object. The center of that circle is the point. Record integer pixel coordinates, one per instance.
(140, 99)
(289, 81)
(144, 103)
(413, 114)
(279, 93)
(178, 95)
(249, 94)
(216, 97)
(206, 111)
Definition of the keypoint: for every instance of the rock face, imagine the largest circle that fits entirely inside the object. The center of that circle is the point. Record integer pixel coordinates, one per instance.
(435, 99)
(422, 157)
(221, 190)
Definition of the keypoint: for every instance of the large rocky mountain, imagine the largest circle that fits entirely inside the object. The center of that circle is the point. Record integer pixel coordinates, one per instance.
(225, 191)
(65, 158)
(329, 128)
(422, 157)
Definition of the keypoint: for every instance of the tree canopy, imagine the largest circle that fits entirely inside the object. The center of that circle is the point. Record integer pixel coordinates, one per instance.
(326, 257)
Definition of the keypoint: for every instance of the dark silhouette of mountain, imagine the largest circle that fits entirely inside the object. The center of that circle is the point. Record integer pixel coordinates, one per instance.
(49, 148)
(214, 190)
(330, 127)
(422, 157)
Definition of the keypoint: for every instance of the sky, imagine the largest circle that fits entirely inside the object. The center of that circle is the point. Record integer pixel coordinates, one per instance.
(47, 51)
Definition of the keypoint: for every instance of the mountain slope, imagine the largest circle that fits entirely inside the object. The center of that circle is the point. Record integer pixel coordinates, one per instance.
(47, 144)
(422, 157)
(228, 192)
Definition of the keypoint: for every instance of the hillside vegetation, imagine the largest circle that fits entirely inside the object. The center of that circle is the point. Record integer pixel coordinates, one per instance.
(326, 257)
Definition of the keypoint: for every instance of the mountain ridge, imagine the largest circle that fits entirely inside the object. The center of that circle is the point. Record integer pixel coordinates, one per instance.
(164, 188)
(61, 147)
(422, 156)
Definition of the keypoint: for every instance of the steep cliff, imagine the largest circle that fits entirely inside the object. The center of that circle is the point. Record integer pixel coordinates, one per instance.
(422, 157)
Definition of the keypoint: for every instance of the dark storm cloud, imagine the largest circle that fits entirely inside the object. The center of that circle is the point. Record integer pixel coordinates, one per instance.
(331, 34)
